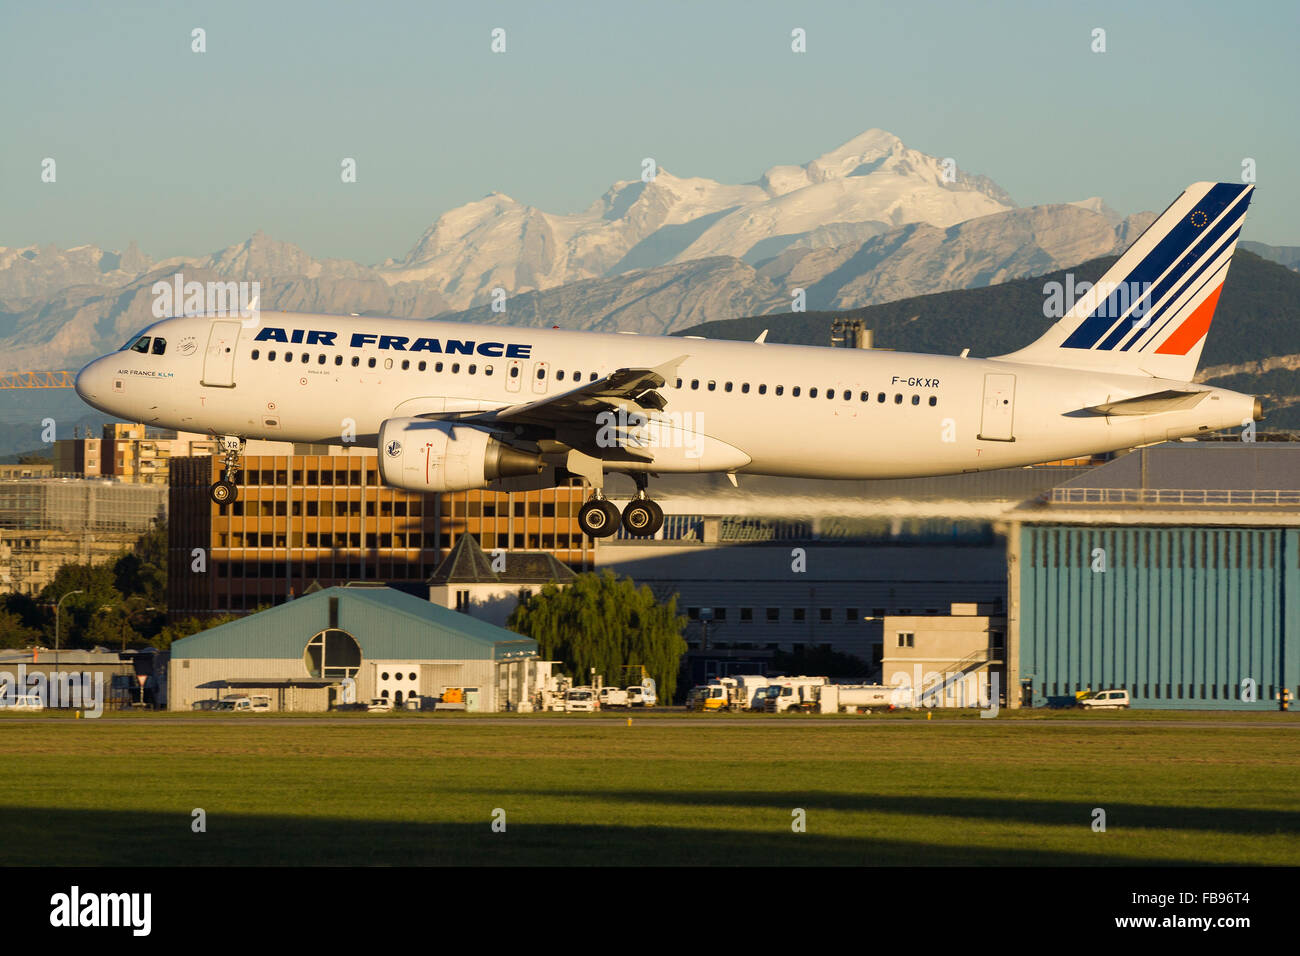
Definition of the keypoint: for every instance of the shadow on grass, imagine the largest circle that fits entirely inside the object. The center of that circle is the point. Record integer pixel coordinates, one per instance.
(36, 836)
(998, 809)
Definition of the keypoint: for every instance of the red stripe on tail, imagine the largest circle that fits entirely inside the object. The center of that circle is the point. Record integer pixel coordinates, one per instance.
(1193, 328)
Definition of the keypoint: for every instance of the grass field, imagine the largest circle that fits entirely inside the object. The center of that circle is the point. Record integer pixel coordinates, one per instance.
(121, 791)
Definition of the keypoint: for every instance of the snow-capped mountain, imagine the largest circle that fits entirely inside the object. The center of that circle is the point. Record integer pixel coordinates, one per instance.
(869, 184)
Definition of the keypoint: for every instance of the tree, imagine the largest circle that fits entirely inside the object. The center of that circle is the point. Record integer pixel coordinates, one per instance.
(14, 633)
(142, 571)
(605, 622)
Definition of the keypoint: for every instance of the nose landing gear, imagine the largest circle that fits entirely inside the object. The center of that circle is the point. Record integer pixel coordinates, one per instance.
(226, 489)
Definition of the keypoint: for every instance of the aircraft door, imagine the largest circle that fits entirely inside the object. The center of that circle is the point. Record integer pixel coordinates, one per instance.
(999, 408)
(219, 361)
(541, 377)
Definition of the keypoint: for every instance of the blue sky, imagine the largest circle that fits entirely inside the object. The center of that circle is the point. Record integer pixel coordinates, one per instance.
(187, 153)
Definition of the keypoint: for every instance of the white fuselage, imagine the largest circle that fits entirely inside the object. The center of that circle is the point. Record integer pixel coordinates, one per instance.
(733, 405)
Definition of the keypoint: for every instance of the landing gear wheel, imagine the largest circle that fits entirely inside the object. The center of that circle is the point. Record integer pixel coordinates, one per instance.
(223, 491)
(598, 518)
(642, 518)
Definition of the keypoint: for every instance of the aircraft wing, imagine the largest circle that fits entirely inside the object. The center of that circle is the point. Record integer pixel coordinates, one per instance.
(632, 389)
(573, 414)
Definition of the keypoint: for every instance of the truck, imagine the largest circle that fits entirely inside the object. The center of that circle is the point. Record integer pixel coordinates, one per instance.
(856, 698)
(741, 692)
(613, 697)
(792, 693)
(579, 700)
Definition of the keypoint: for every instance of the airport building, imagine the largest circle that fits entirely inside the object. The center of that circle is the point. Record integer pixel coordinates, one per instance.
(490, 588)
(128, 452)
(1172, 572)
(46, 523)
(354, 644)
(321, 515)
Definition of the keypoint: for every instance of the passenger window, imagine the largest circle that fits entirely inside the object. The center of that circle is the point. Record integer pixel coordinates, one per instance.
(437, 367)
(514, 371)
(812, 392)
(934, 400)
(780, 390)
(388, 363)
(356, 360)
(254, 355)
(848, 396)
(727, 387)
(695, 383)
(593, 376)
(487, 369)
(305, 358)
(880, 397)
(541, 373)
(370, 362)
(473, 369)
(320, 359)
(406, 364)
(898, 399)
(270, 356)
(559, 375)
(795, 391)
(713, 386)
(679, 383)
(338, 360)
(422, 366)
(916, 399)
(455, 367)
(866, 396)
(288, 356)
(744, 388)
(159, 346)
(762, 389)
(141, 345)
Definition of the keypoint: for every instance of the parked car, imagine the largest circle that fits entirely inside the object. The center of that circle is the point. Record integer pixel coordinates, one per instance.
(1107, 698)
(380, 704)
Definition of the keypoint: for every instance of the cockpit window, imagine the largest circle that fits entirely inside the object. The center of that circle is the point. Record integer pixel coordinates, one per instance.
(159, 346)
(141, 345)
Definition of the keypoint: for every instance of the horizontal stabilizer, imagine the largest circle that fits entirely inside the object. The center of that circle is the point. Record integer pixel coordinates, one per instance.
(1170, 400)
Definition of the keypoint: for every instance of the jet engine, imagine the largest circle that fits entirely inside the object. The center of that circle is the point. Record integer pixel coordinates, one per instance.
(416, 454)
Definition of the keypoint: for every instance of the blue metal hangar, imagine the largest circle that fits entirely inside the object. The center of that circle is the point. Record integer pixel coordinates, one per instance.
(1172, 572)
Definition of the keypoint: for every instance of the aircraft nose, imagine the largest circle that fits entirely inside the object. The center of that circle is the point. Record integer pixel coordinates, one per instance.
(89, 382)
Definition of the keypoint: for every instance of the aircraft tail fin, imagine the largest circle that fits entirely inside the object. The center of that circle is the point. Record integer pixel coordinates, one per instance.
(1149, 314)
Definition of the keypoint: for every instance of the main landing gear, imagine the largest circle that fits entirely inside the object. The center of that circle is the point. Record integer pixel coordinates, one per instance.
(226, 490)
(642, 518)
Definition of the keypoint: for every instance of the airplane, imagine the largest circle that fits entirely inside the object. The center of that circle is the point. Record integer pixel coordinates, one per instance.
(454, 406)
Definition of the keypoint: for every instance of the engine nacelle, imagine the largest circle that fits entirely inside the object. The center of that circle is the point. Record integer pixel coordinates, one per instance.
(416, 454)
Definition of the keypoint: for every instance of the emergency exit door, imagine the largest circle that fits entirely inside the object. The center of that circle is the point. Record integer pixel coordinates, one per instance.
(999, 408)
(219, 360)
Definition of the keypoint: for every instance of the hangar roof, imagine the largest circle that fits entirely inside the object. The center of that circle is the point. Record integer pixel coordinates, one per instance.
(387, 624)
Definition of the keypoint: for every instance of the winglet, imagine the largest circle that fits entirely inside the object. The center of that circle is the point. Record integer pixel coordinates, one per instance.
(762, 338)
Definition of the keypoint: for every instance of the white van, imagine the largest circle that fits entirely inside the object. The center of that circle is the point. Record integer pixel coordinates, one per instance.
(1106, 698)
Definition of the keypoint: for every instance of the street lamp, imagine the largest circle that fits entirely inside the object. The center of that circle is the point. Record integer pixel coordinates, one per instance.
(56, 626)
